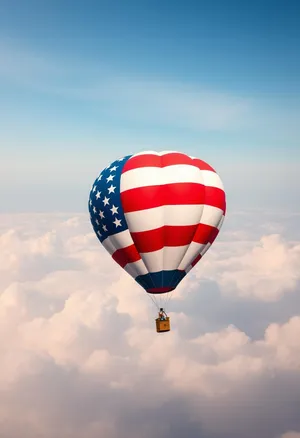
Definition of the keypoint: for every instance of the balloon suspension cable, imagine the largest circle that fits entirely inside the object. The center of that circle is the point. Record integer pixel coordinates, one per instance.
(169, 296)
(161, 300)
(153, 300)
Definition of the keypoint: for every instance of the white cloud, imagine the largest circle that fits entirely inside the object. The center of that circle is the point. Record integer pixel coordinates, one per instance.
(263, 270)
(80, 355)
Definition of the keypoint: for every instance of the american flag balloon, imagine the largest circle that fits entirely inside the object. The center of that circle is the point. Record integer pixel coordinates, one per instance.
(157, 213)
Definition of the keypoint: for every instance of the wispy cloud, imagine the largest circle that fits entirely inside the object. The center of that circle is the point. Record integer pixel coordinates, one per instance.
(170, 103)
(180, 105)
(149, 102)
(22, 65)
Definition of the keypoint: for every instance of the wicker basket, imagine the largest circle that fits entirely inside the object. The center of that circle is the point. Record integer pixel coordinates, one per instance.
(163, 325)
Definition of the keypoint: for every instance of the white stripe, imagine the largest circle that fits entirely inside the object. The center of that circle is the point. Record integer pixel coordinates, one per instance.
(211, 216)
(192, 252)
(144, 153)
(167, 258)
(156, 153)
(153, 176)
(221, 222)
(188, 269)
(197, 248)
(117, 241)
(211, 179)
(153, 260)
(136, 268)
(109, 246)
(173, 256)
(173, 215)
(202, 252)
(152, 218)
(169, 152)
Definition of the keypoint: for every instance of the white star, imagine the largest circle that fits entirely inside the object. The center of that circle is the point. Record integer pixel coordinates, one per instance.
(121, 159)
(98, 232)
(90, 202)
(104, 228)
(110, 178)
(100, 177)
(111, 189)
(94, 210)
(113, 169)
(98, 195)
(94, 189)
(101, 214)
(117, 222)
(97, 222)
(105, 200)
(114, 209)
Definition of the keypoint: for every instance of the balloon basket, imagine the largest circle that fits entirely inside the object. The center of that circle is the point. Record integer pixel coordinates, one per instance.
(163, 325)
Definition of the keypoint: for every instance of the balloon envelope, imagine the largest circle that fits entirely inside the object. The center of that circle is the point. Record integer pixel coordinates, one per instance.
(157, 213)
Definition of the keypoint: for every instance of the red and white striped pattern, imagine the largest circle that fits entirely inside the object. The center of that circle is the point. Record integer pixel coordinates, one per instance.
(174, 207)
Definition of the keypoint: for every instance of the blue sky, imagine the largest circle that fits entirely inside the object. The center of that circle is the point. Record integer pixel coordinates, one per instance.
(83, 83)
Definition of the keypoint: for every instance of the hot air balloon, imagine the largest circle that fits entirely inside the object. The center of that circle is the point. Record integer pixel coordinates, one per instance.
(157, 213)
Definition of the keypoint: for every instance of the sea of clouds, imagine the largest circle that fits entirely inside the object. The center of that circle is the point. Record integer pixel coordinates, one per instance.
(80, 357)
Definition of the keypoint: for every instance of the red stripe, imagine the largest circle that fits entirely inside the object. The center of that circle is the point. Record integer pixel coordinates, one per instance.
(215, 197)
(147, 160)
(213, 235)
(196, 260)
(143, 198)
(202, 165)
(151, 160)
(126, 255)
(203, 233)
(153, 240)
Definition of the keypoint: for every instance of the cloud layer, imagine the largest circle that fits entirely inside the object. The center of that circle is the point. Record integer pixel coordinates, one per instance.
(80, 356)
